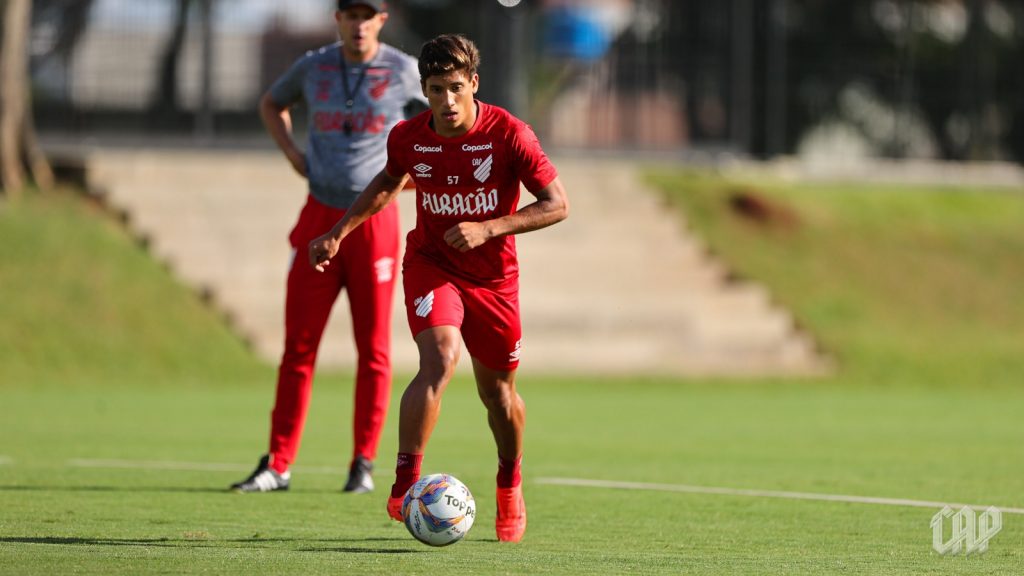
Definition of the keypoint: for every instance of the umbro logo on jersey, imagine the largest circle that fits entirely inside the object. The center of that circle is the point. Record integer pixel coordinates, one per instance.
(422, 148)
(423, 170)
(424, 304)
(483, 171)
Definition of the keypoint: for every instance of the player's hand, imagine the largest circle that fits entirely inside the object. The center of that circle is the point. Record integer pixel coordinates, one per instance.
(465, 236)
(321, 250)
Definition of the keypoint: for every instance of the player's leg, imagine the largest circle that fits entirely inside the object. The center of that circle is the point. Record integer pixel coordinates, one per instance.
(506, 415)
(492, 331)
(434, 310)
(506, 411)
(439, 349)
(308, 300)
(370, 256)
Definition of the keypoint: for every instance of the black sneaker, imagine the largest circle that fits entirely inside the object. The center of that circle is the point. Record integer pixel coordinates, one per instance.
(263, 479)
(359, 476)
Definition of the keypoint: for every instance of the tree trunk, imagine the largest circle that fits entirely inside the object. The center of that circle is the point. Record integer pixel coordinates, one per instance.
(164, 107)
(18, 145)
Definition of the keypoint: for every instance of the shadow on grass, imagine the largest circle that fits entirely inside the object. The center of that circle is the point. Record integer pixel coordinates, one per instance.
(164, 542)
(178, 543)
(327, 547)
(354, 550)
(43, 488)
(184, 489)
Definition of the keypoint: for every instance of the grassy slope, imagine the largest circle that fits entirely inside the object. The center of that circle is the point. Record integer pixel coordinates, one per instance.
(191, 394)
(82, 303)
(904, 285)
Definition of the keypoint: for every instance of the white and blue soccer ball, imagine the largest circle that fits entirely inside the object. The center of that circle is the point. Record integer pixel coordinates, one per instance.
(438, 510)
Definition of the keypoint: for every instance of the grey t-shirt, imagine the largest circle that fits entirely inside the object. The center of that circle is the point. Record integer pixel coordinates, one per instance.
(348, 144)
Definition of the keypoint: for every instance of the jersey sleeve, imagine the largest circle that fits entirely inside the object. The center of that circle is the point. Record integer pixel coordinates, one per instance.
(532, 165)
(287, 89)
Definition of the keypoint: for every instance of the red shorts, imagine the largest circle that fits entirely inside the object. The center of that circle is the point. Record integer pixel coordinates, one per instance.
(487, 317)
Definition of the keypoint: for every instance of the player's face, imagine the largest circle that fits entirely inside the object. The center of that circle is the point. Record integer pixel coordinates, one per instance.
(451, 101)
(359, 28)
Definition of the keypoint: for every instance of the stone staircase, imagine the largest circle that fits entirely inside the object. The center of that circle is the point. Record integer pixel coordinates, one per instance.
(618, 288)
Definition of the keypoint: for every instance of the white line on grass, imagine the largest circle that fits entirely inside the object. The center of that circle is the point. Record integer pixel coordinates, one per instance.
(4, 460)
(187, 466)
(582, 482)
(761, 493)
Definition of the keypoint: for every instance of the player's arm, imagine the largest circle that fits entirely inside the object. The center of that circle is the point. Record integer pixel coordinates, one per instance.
(278, 121)
(551, 206)
(378, 194)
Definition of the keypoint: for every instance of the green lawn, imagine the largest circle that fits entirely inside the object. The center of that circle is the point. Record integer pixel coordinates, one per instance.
(901, 284)
(108, 370)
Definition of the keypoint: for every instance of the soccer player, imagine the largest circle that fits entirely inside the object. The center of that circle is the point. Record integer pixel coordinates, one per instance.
(467, 159)
(354, 92)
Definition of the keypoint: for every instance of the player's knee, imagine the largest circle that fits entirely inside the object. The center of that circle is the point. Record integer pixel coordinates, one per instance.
(499, 399)
(440, 364)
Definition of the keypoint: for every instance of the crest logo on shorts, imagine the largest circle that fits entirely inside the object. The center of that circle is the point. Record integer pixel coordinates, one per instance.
(424, 304)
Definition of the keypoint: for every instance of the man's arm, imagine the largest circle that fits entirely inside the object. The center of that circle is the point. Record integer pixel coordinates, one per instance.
(378, 194)
(278, 121)
(552, 206)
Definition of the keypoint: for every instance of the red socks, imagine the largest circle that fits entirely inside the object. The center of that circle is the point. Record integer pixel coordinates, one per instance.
(407, 472)
(508, 472)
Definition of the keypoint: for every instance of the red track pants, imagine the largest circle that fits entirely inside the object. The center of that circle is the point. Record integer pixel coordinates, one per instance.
(365, 266)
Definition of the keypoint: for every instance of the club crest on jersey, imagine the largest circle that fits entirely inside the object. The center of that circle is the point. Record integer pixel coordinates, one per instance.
(472, 204)
(379, 82)
(483, 167)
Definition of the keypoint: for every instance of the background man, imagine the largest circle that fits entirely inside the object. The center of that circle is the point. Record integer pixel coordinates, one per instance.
(354, 91)
(460, 268)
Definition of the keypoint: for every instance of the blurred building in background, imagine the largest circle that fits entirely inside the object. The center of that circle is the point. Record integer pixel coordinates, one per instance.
(882, 78)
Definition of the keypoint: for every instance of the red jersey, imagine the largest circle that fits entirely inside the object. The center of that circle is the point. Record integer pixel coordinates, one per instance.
(469, 178)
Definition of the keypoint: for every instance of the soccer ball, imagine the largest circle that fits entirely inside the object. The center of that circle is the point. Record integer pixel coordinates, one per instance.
(438, 510)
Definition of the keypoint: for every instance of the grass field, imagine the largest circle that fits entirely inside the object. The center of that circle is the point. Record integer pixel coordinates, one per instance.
(127, 408)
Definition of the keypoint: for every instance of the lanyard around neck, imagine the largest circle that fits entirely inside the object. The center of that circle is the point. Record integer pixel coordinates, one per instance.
(350, 94)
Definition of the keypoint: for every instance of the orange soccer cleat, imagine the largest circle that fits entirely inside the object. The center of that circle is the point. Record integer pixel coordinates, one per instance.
(510, 523)
(395, 508)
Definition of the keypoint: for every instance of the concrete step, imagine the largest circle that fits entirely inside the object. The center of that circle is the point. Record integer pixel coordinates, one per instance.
(620, 287)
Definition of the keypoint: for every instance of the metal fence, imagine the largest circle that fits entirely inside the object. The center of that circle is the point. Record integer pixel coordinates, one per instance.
(896, 78)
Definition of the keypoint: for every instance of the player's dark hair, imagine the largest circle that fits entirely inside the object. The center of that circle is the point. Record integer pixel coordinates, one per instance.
(448, 53)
